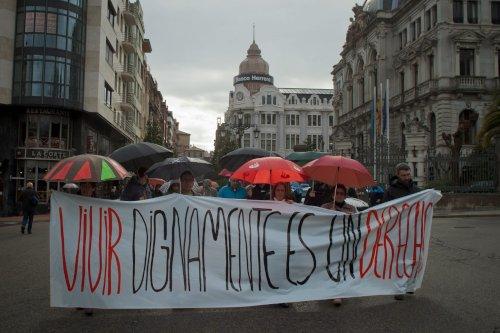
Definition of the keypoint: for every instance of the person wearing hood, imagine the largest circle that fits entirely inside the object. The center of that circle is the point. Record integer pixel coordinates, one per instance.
(401, 185)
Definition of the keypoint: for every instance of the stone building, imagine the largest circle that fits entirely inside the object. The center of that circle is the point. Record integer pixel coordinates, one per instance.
(263, 116)
(441, 59)
(72, 81)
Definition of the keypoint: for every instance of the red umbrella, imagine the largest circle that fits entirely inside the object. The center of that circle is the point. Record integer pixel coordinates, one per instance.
(86, 168)
(156, 181)
(225, 173)
(333, 170)
(269, 170)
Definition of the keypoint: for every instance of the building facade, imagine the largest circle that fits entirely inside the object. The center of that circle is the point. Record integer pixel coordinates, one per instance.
(263, 116)
(441, 61)
(72, 81)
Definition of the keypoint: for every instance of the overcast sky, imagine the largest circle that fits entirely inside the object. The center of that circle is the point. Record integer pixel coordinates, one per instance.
(199, 44)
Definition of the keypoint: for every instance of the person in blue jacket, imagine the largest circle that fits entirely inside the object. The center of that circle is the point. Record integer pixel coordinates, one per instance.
(233, 190)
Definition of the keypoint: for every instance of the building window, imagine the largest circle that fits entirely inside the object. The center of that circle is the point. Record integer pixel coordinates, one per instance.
(111, 14)
(467, 123)
(418, 27)
(405, 37)
(431, 66)
(458, 11)
(466, 62)
(434, 15)
(263, 100)
(267, 119)
(108, 91)
(292, 120)
(415, 75)
(274, 100)
(246, 140)
(44, 131)
(109, 53)
(293, 100)
(268, 141)
(495, 12)
(313, 120)
(247, 119)
(472, 16)
(316, 141)
(402, 82)
(269, 99)
(330, 121)
(413, 32)
(428, 20)
(292, 140)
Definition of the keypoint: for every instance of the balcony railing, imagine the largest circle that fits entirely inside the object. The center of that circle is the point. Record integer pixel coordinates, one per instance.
(133, 12)
(470, 83)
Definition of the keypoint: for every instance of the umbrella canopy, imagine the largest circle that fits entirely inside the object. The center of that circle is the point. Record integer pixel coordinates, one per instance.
(238, 157)
(333, 170)
(86, 168)
(269, 170)
(70, 186)
(156, 181)
(302, 158)
(172, 168)
(141, 154)
(225, 173)
(358, 203)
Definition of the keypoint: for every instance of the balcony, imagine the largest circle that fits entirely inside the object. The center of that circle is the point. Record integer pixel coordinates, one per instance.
(409, 95)
(129, 42)
(127, 72)
(133, 14)
(127, 102)
(470, 83)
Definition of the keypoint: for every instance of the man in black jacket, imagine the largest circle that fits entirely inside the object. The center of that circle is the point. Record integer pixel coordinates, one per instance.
(29, 200)
(402, 185)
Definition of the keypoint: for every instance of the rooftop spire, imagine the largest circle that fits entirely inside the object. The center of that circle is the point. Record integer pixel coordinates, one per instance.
(254, 32)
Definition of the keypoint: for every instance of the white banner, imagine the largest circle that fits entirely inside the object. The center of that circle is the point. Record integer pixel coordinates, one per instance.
(194, 252)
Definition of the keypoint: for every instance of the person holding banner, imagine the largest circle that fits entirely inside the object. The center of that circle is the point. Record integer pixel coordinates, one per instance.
(338, 204)
(338, 201)
(282, 192)
(187, 183)
(400, 187)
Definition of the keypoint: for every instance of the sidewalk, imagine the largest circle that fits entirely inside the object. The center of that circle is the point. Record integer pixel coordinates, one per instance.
(18, 219)
(467, 213)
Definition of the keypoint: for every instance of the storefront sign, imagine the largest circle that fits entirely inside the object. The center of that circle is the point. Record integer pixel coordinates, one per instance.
(42, 154)
(46, 111)
(253, 78)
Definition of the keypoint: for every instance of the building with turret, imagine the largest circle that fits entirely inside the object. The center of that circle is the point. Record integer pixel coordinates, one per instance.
(263, 116)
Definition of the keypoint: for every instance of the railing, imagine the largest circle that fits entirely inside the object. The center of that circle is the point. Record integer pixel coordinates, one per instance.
(470, 82)
(133, 9)
(409, 95)
(396, 100)
(462, 173)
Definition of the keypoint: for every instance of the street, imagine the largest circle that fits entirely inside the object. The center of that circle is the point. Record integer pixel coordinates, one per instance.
(460, 293)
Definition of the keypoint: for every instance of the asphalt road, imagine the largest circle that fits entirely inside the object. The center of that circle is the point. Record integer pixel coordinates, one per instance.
(460, 293)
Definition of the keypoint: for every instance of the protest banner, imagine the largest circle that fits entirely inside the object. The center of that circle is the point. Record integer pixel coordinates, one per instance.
(191, 252)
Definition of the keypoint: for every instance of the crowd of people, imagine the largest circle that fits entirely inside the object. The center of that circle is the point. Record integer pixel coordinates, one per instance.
(321, 195)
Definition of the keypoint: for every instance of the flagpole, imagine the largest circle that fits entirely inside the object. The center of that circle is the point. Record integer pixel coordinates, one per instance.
(374, 130)
(387, 108)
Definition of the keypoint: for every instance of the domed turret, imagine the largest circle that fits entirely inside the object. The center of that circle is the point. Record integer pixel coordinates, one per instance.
(254, 64)
(372, 6)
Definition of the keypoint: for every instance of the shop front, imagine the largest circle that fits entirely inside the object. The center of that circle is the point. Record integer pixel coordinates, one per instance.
(44, 139)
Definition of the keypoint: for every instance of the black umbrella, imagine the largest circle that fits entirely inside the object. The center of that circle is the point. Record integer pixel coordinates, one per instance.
(233, 160)
(172, 168)
(141, 154)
